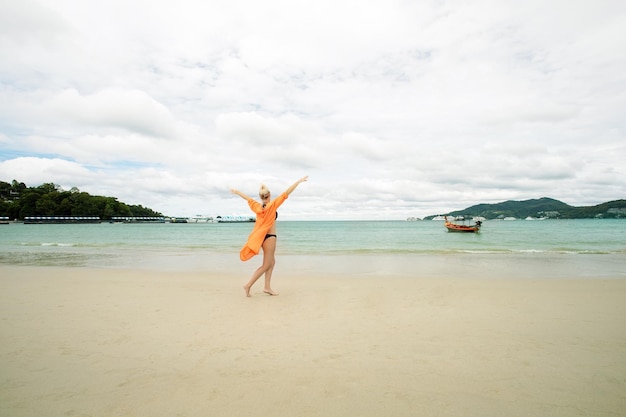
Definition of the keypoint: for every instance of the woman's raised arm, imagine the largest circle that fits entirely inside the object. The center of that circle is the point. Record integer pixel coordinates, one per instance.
(239, 193)
(295, 184)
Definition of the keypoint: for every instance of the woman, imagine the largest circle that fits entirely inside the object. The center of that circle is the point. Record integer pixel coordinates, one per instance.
(264, 233)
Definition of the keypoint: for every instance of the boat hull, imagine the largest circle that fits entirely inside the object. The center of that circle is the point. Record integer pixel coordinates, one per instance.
(460, 228)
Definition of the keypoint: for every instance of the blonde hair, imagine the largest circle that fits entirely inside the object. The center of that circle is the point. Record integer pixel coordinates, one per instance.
(263, 191)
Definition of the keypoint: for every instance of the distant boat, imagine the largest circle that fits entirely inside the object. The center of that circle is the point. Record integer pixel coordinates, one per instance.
(202, 219)
(235, 219)
(453, 227)
(178, 220)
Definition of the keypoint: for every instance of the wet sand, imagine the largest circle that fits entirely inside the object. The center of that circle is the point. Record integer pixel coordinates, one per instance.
(99, 342)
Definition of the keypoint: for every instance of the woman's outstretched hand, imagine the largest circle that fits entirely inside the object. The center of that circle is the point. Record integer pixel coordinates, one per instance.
(239, 193)
(295, 184)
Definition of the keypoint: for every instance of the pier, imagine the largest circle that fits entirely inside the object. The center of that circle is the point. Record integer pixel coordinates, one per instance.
(130, 219)
(61, 219)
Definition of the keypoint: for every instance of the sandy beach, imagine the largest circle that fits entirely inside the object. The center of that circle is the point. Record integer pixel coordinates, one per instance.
(100, 342)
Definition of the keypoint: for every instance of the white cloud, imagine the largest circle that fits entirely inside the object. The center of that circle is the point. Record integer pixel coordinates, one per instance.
(132, 111)
(36, 171)
(393, 108)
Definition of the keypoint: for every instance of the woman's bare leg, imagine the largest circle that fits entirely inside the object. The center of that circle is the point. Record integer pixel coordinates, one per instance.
(269, 247)
(267, 289)
(268, 278)
(257, 274)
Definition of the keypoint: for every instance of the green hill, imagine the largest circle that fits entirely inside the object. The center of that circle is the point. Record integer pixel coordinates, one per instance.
(542, 207)
(18, 201)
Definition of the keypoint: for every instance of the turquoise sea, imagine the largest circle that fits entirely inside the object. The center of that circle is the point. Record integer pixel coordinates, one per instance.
(579, 247)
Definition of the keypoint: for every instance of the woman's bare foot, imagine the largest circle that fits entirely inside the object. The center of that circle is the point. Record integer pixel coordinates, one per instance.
(247, 290)
(270, 291)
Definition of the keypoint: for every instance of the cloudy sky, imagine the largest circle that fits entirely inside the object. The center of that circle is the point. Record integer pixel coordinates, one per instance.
(393, 108)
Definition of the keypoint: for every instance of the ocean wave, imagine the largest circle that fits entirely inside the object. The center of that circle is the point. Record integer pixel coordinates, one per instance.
(59, 244)
(46, 244)
(448, 251)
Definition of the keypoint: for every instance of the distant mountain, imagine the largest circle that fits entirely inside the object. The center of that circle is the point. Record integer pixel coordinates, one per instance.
(543, 207)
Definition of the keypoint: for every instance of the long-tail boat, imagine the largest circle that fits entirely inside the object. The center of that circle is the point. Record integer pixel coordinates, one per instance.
(453, 227)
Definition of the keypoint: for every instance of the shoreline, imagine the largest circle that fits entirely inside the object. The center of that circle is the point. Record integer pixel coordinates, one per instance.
(464, 265)
(102, 342)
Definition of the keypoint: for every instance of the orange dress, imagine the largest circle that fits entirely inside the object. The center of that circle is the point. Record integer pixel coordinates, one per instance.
(265, 219)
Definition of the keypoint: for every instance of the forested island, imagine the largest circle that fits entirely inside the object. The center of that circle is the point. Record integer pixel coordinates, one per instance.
(18, 201)
(542, 208)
